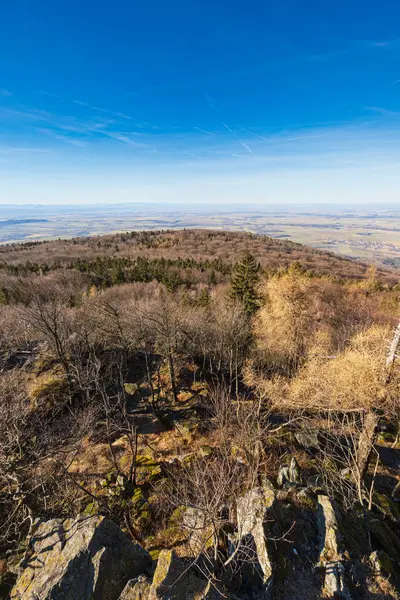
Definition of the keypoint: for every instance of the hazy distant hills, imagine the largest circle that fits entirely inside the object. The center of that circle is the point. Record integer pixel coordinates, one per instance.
(21, 222)
(371, 233)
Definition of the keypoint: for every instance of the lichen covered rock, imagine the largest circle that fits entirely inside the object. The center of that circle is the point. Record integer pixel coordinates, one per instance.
(289, 474)
(136, 589)
(88, 558)
(176, 580)
(251, 517)
(331, 554)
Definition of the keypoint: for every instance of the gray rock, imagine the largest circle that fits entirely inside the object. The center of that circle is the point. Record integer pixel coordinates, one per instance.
(382, 563)
(200, 530)
(294, 471)
(331, 556)
(282, 495)
(305, 494)
(87, 558)
(251, 517)
(136, 589)
(174, 579)
(335, 585)
(289, 474)
(314, 480)
(307, 439)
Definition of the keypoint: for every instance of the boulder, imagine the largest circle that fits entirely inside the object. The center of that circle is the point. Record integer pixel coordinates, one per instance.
(382, 564)
(175, 579)
(289, 474)
(252, 511)
(307, 439)
(137, 589)
(200, 530)
(330, 548)
(387, 506)
(396, 492)
(314, 480)
(87, 558)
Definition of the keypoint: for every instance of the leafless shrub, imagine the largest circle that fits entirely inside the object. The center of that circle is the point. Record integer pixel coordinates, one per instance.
(347, 444)
(205, 491)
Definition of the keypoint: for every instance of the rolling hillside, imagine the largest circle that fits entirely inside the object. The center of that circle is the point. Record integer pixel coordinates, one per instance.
(193, 255)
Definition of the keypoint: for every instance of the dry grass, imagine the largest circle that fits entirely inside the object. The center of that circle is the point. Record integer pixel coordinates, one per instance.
(46, 385)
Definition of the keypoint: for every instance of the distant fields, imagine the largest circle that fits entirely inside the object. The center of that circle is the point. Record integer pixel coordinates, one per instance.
(367, 234)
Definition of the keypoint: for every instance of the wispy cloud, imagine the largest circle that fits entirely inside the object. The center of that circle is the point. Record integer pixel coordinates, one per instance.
(353, 49)
(62, 138)
(247, 148)
(138, 133)
(111, 112)
(66, 128)
(124, 139)
(204, 131)
(304, 59)
(33, 150)
(210, 102)
(104, 110)
(227, 127)
(88, 105)
(5, 92)
(50, 94)
(261, 137)
(383, 111)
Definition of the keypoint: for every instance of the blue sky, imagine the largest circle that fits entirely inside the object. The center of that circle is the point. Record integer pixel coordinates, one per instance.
(212, 101)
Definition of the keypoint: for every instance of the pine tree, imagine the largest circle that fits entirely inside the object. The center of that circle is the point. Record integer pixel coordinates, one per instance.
(245, 277)
(205, 298)
(118, 274)
(213, 278)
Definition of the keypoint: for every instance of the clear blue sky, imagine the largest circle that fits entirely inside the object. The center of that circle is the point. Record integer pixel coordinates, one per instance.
(290, 101)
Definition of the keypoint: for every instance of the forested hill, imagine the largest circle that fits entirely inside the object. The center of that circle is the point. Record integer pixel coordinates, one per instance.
(175, 257)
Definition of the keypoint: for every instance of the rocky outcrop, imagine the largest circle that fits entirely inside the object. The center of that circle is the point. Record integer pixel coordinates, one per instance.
(289, 474)
(201, 534)
(331, 553)
(252, 511)
(307, 439)
(87, 558)
(176, 580)
(136, 589)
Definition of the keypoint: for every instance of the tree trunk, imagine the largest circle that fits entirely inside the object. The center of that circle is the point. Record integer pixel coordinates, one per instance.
(172, 375)
(366, 442)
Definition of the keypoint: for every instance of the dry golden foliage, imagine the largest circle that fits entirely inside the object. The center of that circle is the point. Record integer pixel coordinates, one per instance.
(296, 308)
(353, 379)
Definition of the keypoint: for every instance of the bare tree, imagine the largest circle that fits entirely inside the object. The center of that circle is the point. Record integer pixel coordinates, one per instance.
(347, 443)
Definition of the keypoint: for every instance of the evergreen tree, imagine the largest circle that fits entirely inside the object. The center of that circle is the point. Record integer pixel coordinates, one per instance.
(245, 277)
(213, 278)
(118, 274)
(204, 299)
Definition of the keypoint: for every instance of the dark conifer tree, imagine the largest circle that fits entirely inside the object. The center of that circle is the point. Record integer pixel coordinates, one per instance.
(213, 278)
(245, 277)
